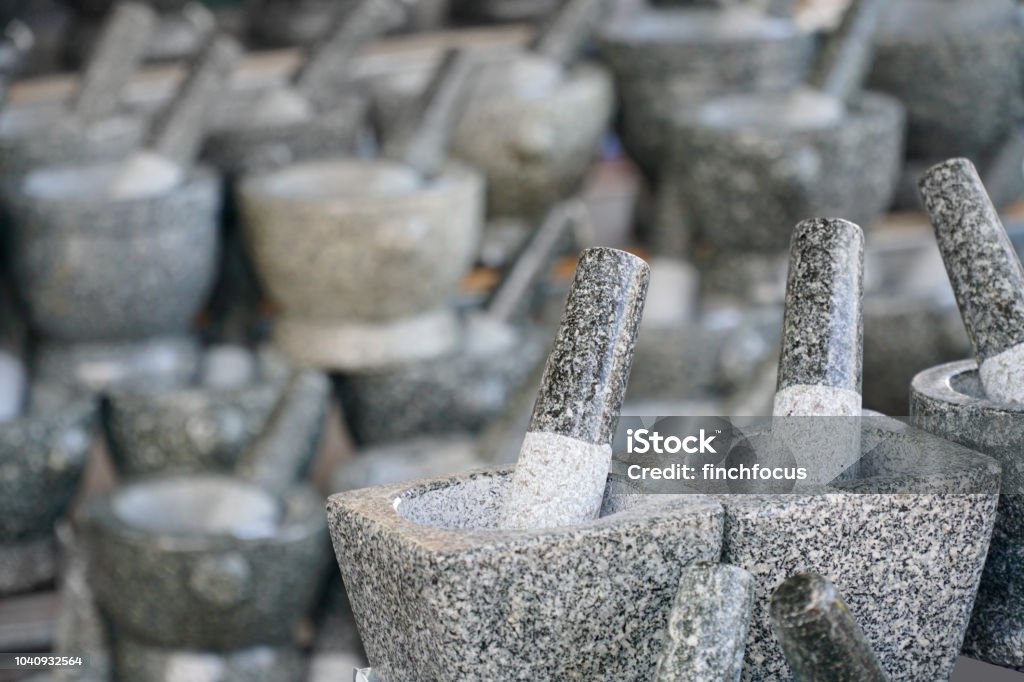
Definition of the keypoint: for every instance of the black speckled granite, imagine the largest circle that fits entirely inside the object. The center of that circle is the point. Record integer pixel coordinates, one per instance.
(982, 264)
(822, 641)
(822, 337)
(585, 379)
(900, 559)
(440, 593)
(949, 401)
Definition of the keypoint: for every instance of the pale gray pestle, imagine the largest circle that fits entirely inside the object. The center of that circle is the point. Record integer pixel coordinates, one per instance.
(564, 460)
(845, 59)
(175, 136)
(424, 131)
(985, 272)
(116, 55)
(568, 28)
(820, 638)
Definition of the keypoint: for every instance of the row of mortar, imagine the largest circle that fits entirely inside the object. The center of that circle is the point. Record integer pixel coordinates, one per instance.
(406, 241)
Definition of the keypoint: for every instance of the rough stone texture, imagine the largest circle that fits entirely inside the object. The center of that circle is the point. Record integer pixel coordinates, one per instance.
(902, 559)
(42, 456)
(139, 662)
(534, 143)
(167, 573)
(236, 146)
(949, 401)
(745, 185)
(822, 335)
(585, 377)
(95, 270)
(156, 363)
(407, 243)
(467, 388)
(667, 59)
(201, 428)
(27, 564)
(942, 60)
(985, 272)
(559, 481)
(438, 591)
(707, 629)
(822, 641)
(80, 629)
(116, 54)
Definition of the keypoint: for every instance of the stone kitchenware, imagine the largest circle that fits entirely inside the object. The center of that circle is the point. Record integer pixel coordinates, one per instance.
(290, 23)
(309, 117)
(897, 519)
(472, 385)
(667, 58)
(956, 67)
(513, 587)
(750, 166)
(89, 126)
(366, 279)
(977, 403)
(43, 453)
(501, 11)
(113, 260)
(535, 120)
(205, 577)
(244, 405)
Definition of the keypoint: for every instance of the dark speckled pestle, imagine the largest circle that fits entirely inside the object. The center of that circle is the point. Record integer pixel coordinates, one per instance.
(823, 329)
(563, 463)
(985, 272)
(819, 636)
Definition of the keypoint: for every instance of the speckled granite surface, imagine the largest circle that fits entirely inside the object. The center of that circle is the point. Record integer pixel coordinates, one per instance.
(985, 272)
(439, 592)
(707, 628)
(949, 401)
(819, 636)
(900, 559)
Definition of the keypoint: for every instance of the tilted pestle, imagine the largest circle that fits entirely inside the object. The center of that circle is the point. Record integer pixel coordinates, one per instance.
(845, 58)
(15, 41)
(821, 640)
(985, 272)
(175, 136)
(820, 365)
(421, 137)
(117, 53)
(564, 460)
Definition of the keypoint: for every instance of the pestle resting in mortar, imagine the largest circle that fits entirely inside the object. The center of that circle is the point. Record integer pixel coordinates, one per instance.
(563, 464)
(985, 272)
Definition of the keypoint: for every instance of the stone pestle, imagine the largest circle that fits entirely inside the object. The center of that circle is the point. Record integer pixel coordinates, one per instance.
(332, 55)
(707, 627)
(567, 30)
(116, 55)
(822, 344)
(844, 60)
(174, 138)
(16, 40)
(424, 132)
(986, 274)
(821, 640)
(563, 462)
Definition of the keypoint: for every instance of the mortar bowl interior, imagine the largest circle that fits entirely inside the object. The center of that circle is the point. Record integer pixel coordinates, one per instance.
(337, 180)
